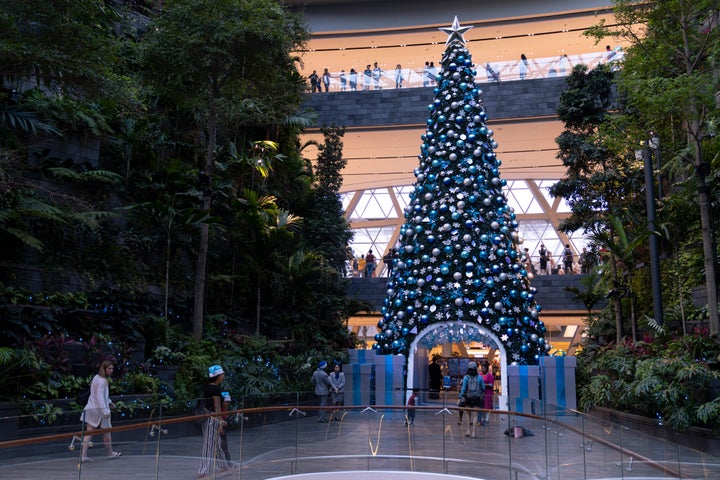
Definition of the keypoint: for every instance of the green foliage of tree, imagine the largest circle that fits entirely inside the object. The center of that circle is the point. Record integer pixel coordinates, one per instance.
(254, 365)
(663, 378)
(272, 235)
(41, 39)
(231, 65)
(196, 117)
(601, 179)
(326, 230)
(669, 80)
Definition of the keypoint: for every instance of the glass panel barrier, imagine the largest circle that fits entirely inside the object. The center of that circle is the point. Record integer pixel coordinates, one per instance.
(280, 435)
(487, 72)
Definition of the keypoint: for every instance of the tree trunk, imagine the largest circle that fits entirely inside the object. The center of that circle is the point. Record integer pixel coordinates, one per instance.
(708, 252)
(200, 279)
(201, 264)
(633, 317)
(167, 276)
(616, 302)
(257, 307)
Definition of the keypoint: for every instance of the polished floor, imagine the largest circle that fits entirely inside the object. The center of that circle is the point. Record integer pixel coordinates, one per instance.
(371, 442)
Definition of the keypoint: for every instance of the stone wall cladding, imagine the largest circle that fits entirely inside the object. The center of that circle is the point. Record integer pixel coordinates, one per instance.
(552, 291)
(390, 107)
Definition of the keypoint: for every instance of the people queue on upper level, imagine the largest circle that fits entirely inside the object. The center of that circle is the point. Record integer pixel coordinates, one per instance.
(567, 263)
(374, 77)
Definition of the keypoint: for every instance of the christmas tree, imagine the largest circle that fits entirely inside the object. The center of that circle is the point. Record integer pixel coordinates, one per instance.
(458, 256)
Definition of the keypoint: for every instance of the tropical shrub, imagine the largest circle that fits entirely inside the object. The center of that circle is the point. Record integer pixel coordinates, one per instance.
(676, 381)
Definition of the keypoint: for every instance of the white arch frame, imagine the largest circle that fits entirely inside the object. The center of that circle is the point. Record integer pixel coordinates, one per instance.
(413, 353)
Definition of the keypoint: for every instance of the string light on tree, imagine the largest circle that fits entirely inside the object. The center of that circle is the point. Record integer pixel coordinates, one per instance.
(458, 253)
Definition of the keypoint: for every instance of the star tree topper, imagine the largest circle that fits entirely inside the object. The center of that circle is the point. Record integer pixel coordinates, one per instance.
(455, 32)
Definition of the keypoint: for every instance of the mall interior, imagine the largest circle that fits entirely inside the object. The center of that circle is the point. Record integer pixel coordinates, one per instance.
(405, 35)
(281, 439)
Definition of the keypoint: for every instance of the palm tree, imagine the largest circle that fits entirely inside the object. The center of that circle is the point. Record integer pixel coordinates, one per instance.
(172, 220)
(593, 292)
(269, 232)
(621, 249)
(294, 280)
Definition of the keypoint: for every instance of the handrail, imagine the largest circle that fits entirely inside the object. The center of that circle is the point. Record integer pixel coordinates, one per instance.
(565, 421)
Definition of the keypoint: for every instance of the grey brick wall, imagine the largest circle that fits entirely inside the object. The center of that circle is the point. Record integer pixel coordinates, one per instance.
(551, 293)
(505, 100)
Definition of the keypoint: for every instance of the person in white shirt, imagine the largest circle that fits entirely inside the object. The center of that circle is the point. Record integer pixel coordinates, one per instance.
(96, 413)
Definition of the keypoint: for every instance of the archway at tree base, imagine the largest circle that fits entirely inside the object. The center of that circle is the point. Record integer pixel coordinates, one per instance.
(452, 332)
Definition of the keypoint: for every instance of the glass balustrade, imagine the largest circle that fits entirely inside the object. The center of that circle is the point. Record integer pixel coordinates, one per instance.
(487, 72)
(276, 436)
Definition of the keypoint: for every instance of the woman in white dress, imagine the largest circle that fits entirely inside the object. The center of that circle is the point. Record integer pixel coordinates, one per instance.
(96, 413)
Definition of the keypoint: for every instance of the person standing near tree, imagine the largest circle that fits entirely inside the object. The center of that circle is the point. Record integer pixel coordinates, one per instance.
(489, 381)
(326, 80)
(523, 66)
(371, 263)
(567, 256)
(563, 64)
(213, 457)
(529, 267)
(432, 71)
(322, 388)
(343, 81)
(388, 260)
(543, 260)
(353, 80)
(337, 389)
(410, 407)
(587, 261)
(367, 77)
(314, 82)
(377, 74)
(398, 76)
(226, 399)
(472, 391)
(362, 264)
(96, 413)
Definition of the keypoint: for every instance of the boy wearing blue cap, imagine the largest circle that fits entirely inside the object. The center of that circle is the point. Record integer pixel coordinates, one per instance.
(223, 437)
(322, 388)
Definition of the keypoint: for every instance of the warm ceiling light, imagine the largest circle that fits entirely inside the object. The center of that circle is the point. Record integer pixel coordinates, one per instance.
(570, 331)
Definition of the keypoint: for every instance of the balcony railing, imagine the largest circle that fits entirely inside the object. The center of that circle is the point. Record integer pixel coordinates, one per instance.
(487, 72)
(280, 435)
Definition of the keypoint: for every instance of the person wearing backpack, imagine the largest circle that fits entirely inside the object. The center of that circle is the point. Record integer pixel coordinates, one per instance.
(315, 82)
(472, 392)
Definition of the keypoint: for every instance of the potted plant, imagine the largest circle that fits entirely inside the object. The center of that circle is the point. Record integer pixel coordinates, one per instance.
(164, 362)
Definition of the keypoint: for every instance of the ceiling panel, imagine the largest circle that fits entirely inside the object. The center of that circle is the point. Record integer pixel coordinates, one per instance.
(490, 42)
(387, 157)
